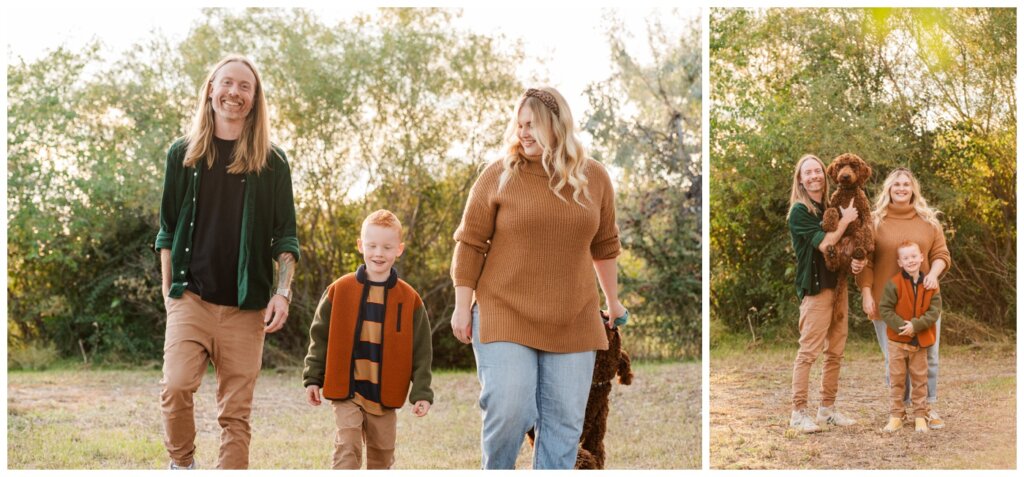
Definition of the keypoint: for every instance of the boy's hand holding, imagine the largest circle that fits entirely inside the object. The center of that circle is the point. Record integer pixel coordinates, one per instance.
(907, 329)
(421, 408)
(313, 395)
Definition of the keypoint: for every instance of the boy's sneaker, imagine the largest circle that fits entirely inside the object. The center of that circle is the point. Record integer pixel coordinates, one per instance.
(829, 415)
(174, 466)
(800, 421)
(921, 424)
(934, 421)
(894, 424)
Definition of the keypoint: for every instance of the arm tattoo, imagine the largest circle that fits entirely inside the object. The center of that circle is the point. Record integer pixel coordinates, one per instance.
(285, 270)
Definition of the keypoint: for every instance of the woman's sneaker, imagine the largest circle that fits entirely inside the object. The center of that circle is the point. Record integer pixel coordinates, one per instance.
(935, 421)
(800, 421)
(829, 415)
(894, 424)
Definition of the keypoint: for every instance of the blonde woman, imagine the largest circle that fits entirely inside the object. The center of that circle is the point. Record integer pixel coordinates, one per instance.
(821, 327)
(537, 226)
(901, 213)
(227, 213)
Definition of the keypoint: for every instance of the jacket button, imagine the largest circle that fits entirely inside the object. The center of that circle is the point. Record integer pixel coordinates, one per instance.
(186, 249)
(182, 272)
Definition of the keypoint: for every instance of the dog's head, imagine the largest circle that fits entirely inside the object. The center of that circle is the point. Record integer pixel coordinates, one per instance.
(848, 170)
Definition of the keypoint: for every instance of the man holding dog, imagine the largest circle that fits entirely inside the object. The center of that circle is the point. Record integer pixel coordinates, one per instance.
(824, 304)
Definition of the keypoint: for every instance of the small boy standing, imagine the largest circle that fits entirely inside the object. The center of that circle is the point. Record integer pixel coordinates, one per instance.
(910, 311)
(370, 338)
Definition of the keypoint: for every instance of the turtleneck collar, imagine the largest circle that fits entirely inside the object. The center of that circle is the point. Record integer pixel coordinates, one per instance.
(390, 283)
(900, 211)
(533, 166)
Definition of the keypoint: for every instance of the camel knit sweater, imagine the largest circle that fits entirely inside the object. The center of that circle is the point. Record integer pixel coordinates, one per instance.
(901, 223)
(529, 256)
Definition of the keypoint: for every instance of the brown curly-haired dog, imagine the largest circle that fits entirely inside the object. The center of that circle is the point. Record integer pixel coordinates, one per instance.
(607, 364)
(849, 172)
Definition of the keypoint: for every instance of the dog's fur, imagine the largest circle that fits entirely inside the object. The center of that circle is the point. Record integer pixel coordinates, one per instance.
(849, 173)
(607, 364)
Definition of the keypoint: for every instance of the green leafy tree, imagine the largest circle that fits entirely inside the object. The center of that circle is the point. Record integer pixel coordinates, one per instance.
(645, 120)
(931, 89)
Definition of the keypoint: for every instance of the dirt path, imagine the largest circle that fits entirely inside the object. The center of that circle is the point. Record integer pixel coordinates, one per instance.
(750, 407)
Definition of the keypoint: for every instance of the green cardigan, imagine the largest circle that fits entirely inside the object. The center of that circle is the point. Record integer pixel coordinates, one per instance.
(268, 224)
(806, 233)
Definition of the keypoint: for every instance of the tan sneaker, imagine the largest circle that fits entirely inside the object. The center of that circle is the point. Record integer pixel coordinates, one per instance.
(935, 421)
(829, 415)
(921, 424)
(802, 422)
(894, 424)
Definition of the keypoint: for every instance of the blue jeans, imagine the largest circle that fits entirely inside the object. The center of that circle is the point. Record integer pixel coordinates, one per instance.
(522, 387)
(933, 361)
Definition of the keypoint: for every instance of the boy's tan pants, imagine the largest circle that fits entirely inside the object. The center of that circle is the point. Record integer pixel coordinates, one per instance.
(354, 424)
(820, 332)
(198, 332)
(905, 358)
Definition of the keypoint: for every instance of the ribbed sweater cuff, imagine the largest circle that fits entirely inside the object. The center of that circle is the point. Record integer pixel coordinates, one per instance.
(606, 251)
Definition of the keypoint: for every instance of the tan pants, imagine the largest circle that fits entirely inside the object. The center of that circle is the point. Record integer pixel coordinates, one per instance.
(355, 425)
(198, 332)
(819, 332)
(904, 357)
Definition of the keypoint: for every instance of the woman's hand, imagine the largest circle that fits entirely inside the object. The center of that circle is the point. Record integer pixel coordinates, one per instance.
(868, 303)
(931, 281)
(462, 324)
(856, 266)
(615, 310)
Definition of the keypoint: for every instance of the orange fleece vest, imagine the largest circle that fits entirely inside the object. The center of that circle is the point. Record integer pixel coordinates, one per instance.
(401, 304)
(907, 307)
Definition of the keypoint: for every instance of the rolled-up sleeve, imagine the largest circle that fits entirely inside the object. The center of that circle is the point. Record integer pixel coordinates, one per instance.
(605, 244)
(284, 237)
(169, 203)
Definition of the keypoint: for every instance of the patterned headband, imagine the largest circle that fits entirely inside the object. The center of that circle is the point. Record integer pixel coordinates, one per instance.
(545, 97)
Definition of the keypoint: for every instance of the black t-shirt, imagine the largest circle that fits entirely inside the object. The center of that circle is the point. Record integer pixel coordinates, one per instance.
(213, 269)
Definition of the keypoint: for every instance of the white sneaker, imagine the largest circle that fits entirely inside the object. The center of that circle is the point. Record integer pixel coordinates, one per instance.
(829, 415)
(800, 421)
(174, 466)
(934, 420)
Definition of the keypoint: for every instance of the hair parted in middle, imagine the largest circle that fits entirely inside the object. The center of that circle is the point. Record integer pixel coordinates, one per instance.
(929, 214)
(564, 157)
(382, 218)
(253, 145)
(797, 193)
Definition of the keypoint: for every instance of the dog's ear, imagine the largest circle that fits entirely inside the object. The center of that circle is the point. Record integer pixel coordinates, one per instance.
(832, 170)
(864, 172)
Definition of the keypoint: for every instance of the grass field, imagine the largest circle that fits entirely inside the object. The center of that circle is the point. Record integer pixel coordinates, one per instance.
(751, 398)
(93, 419)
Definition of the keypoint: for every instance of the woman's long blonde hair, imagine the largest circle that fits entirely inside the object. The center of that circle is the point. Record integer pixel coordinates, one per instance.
(253, 145)
(564, 157)
(798, 194)
(920, 205)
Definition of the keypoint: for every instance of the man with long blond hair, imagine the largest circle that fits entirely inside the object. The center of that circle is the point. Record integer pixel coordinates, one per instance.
(823, 300)
(227, 213)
